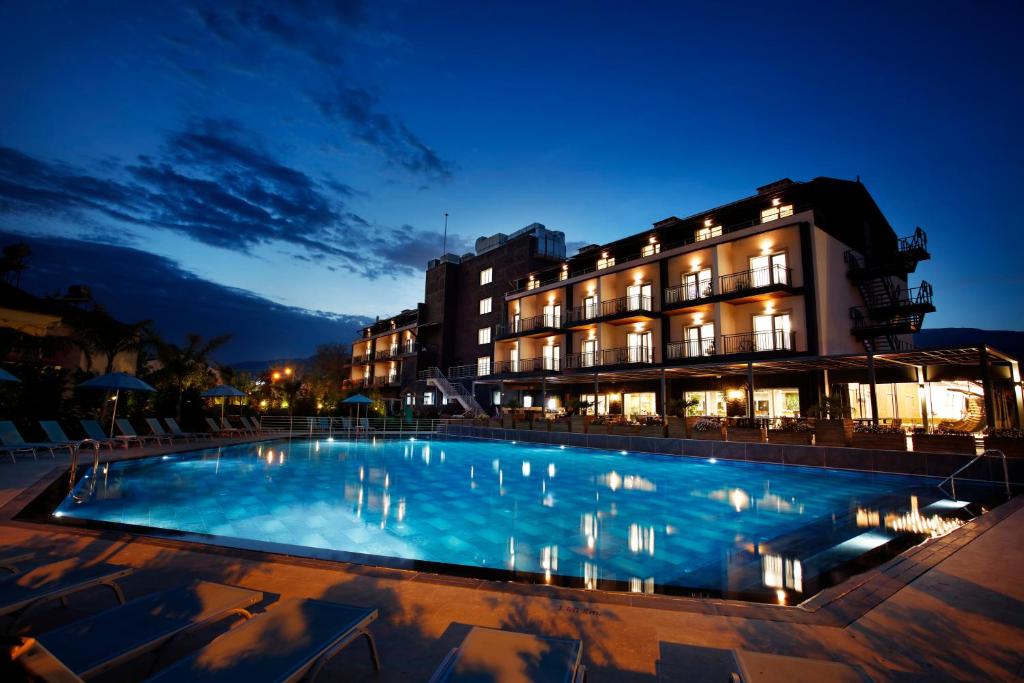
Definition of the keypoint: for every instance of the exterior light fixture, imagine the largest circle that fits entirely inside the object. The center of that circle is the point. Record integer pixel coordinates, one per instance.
(707, 222)
(776, 201)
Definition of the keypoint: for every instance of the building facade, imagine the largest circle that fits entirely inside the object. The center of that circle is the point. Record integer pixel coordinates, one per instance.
(759, 308)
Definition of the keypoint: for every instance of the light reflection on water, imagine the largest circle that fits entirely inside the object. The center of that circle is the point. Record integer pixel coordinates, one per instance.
(642, 522)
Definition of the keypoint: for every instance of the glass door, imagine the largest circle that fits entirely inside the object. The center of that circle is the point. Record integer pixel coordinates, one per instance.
(639, 345)
(772, 332)
(589, 353)
(697, 285)
(516, 322)
(768, 269)
(589, 307)
(552, 357)
(513, 359)
(553, 315)
(700, 340)
(638, 297)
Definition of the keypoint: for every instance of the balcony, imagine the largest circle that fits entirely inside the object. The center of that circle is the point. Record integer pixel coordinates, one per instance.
(759, 342)
(527, 365)
(756, 281)
(624, 355)
(362, 358)
(684, 294)
(625, 306)
(694, 348)
(900, 261)
(535, 325)
(867, 324)
(386, 380)
(386, 354)
(407, 348)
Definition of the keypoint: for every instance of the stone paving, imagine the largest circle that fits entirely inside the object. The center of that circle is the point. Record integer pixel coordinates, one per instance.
(951, 609)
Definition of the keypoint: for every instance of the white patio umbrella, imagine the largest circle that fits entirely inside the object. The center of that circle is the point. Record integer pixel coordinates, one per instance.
(116, 382)
(223, 390)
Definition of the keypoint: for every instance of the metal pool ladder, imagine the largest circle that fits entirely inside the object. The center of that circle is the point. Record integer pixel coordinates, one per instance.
(992, 452)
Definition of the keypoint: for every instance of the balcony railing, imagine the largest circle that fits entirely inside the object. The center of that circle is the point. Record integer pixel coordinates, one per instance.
(693, 348)
(756, 342)
(524, 365)
(688, 292)
(635, 303)
(407, 348)
(617, 356)
(756, 278)
(386, 354)
(537, 322)
(362, 358)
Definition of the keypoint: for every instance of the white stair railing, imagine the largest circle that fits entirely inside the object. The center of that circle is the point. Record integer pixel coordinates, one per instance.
(457, 391)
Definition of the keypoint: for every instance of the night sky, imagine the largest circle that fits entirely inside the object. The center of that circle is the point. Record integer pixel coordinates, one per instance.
(291, 163)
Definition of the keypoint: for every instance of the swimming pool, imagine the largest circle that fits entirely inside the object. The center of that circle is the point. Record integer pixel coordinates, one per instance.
(604, 520)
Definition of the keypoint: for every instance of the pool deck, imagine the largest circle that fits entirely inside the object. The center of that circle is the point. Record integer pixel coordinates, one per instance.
(951, 609)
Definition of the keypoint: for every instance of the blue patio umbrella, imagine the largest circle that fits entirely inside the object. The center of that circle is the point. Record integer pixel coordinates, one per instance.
(7, 377)
(116, 382)
(224, 391)
(358, 400)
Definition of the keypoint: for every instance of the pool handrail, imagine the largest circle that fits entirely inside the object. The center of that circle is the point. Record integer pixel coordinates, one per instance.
(990, 452)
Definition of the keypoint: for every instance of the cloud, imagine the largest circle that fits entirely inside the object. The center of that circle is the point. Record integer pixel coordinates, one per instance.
(359, 110)
(217, 184)
(140, 285)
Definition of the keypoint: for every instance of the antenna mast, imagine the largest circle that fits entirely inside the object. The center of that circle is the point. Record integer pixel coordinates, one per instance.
(444, 244)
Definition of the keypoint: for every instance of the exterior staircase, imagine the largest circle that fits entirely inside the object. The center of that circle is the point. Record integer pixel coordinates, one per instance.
(456, 390)
(890, 310)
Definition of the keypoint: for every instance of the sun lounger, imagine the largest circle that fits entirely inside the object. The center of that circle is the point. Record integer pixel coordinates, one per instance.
(222, 431)
(489, 654)
(13, 443)
(760, 667)
(55, 433)
(56, 581)
(226, 423)
(98, 643)
(292, 639)
(11, 559)
(157, 430)
(95, 432)
(127, 430)
(250, 424)
(176, 430)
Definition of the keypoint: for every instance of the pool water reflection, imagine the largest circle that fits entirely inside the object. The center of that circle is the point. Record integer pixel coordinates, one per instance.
(644, 523)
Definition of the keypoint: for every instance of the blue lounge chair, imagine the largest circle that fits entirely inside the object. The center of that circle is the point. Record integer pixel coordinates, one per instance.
(176, 430)
(95, 432)
(55, 581)
(127, 430)
(256, 650)
(13, 442)
(157, 430)
(98, 643)
(488, 654)
(222, 430)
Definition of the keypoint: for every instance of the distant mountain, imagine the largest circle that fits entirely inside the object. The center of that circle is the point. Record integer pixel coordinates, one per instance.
(1007, 341)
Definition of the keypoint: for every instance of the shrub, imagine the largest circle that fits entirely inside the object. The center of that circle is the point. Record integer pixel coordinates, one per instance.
(708, 424)
(868, 428)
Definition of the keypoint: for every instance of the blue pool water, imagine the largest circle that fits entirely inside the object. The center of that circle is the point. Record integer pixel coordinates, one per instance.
(599, 519)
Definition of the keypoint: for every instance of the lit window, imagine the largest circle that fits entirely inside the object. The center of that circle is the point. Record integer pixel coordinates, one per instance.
(408, 399)
(564, 275)
(486, 276)
(707, 232)
(483, 365)
(483, 336)
(485, 306)
(774, 213)
(527, 401)
(605, 262)
(650, 250)
(496, 398)
(428, 398)
(532, 283)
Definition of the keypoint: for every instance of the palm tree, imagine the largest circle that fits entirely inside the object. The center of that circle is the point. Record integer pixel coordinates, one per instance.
(188, 366)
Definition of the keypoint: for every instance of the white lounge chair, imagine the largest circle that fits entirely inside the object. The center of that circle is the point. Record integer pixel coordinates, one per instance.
(127, 430)
(157, 430)
(95, 432)
(222, 431)
(176, 430)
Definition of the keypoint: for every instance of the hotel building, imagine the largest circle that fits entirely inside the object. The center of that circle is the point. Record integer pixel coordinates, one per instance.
(758, 308)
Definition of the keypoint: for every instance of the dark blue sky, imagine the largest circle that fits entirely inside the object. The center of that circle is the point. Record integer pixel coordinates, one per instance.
(306, 151)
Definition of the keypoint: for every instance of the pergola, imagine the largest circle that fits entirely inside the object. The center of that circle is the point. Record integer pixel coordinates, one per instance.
(982, 357)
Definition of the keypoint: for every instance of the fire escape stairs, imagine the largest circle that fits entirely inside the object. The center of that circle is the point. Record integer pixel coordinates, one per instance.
(889, 309)
(454, 390)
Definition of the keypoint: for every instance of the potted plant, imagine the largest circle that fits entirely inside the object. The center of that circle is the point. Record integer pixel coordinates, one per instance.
(881, 437)
(1009, 441)
(944, 440)
(832, 427)
(675, 416)
(745, 429)
(577, 420)
(791, 431)
(709, 428)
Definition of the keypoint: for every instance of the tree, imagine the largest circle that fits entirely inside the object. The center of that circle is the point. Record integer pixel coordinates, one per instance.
(326, 372)
(186, 367)
(13, 261)
(97, 333)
